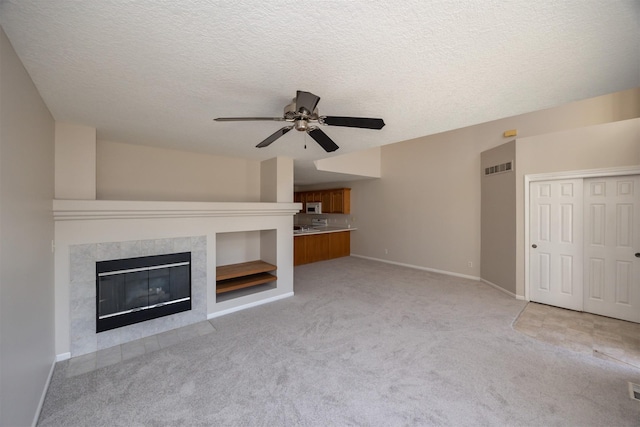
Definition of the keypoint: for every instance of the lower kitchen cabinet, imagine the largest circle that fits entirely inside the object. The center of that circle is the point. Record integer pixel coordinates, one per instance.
(319, 247)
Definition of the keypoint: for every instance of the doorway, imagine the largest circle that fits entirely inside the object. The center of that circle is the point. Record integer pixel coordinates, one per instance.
(584, 244)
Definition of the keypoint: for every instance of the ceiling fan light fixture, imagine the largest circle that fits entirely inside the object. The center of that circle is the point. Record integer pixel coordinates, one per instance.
(302, 111)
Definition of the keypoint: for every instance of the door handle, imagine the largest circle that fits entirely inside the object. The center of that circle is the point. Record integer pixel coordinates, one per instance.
(637, 254)
(534, 246)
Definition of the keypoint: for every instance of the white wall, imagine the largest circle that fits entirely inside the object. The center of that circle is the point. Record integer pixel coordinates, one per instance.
(26, 231)
(425, 210)
(137, 172)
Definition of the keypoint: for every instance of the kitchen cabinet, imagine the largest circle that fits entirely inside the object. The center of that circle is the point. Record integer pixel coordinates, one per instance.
(320, 247)
(300, 198)
(337, 200)
(341, 200)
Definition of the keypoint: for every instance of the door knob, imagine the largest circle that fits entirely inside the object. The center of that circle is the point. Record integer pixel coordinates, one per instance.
(535, 246)
(637, 254)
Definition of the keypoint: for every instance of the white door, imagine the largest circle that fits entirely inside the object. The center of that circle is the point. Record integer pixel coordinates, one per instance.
(612, 239)
(555, 256)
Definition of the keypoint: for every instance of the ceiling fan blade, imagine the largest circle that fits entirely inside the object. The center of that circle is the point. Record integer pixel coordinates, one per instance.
(277, 134)
(353, 122)
(323, 139)
(306, 100)
(248, 119)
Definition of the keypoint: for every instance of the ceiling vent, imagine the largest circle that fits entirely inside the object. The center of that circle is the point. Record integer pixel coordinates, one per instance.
(501, 168)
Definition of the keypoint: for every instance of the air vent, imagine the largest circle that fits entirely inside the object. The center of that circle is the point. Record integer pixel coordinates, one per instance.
(501, 168)
(634, 391)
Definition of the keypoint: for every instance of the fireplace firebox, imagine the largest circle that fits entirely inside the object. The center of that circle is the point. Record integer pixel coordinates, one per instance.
(134, 290)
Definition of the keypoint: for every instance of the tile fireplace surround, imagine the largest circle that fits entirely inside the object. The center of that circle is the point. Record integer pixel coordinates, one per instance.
(87, 231)
(82, 287)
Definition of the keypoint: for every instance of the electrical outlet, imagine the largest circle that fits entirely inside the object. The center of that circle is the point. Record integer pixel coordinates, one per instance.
(470, 264)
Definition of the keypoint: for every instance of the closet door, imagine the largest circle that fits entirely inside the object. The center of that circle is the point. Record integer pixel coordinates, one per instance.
(612, 240)
(556, 253)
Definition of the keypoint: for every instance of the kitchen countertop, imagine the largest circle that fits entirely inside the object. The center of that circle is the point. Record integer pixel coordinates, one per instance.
(322, 230)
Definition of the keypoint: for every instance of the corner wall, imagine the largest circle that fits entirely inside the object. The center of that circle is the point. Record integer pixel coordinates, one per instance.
(426, 208)
(26, 232)
(498, 219)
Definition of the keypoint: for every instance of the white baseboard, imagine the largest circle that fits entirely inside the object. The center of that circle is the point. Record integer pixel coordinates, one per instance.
(493, 285)
(63, 356)
(249, 305)
(44, 394)
(417, 267)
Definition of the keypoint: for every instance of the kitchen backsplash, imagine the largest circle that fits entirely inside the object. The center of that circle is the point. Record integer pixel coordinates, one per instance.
(334, 220)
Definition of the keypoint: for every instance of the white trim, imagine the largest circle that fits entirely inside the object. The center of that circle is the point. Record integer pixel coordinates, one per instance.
(63, 356)
(44, 393)
(500, 288)
(417, 267)
(587, 173)
(67, 210)
(249, 305)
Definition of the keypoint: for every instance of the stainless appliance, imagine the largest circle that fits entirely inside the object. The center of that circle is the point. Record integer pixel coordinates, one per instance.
(314, 207)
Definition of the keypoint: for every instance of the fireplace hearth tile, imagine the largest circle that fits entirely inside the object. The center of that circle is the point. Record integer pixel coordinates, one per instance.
(82, 291)
(133, 349)
(151, 344)
(81, 365)
(108, 356)
(167, 339)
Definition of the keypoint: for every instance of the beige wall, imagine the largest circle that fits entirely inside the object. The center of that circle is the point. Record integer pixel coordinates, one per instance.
(601, 146)
(26, 232)
(426, 208)
(135, 172)
(498, 219)
(75, 161)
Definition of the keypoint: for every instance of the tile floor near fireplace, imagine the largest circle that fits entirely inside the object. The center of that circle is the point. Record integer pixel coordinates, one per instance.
(120, 353)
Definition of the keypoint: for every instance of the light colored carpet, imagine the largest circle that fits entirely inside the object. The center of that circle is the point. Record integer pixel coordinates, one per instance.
(361, 343)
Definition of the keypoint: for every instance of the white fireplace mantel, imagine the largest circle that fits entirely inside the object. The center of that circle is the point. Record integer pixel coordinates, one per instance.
(105, 227)
(65, 210)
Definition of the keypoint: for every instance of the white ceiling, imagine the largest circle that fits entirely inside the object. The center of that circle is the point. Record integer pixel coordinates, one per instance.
(156, 72)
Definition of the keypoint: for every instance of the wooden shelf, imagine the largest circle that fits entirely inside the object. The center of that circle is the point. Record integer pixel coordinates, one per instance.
(243, 275)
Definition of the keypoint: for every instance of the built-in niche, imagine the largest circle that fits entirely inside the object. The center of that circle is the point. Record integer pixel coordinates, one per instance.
(246, 263)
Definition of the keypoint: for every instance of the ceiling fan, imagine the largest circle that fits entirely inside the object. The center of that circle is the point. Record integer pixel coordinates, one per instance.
(303, 113)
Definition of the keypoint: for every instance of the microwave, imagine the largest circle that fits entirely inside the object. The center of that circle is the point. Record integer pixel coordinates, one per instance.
(314, 208)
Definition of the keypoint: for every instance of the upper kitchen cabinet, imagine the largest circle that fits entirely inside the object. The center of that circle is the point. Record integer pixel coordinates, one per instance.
(341, 200)
(337, 200)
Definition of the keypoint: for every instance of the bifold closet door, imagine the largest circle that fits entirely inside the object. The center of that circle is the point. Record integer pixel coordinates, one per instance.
(612, 247)
(555, 256)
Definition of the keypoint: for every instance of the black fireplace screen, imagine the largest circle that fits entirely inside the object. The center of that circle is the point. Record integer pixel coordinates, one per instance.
(133, 290)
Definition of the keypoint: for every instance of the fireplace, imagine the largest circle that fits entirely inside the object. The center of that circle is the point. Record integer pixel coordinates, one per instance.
(134, 290)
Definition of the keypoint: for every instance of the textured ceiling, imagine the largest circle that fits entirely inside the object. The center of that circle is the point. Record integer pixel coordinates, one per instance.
(156, 72)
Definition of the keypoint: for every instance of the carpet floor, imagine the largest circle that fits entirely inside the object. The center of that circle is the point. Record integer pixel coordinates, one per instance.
(361, 343)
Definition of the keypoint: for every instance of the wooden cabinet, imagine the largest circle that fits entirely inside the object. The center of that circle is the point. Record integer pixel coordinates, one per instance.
(300, 198)
(337, 200)
(339, 244)
(320, 247)
(340, 200)
(243, 275)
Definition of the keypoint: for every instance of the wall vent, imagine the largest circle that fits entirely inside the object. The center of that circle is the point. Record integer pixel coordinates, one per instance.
(634, 391)
(501, 168)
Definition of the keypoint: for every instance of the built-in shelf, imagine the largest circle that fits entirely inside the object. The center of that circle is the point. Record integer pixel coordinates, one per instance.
(243, 275)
